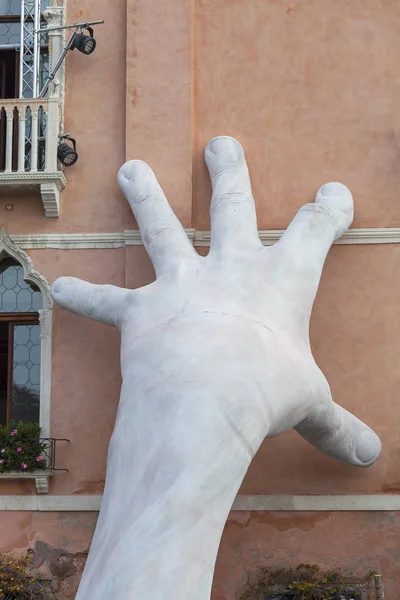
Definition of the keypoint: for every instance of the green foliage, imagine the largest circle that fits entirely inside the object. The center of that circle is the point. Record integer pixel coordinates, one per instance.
(17, 583)
(307, 582)
(21, 449)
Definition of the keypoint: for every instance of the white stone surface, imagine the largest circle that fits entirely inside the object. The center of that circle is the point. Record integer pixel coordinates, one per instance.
(50, 181)
(40, 476)
(49, 503)
(252, 503)
(215, 357)
(334, 503)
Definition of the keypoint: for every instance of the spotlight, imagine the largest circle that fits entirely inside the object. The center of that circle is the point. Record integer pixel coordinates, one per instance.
(67, 155)
(84, 43)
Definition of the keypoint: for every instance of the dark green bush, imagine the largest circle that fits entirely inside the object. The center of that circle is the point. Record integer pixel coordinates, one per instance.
(21, 449)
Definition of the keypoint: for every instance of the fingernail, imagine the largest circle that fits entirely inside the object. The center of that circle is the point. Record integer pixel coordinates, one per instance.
(131, 169)
(224, 144)
(334, 189)
(368, 446)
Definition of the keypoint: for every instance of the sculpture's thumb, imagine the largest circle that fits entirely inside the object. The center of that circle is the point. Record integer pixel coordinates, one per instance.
(335, 431)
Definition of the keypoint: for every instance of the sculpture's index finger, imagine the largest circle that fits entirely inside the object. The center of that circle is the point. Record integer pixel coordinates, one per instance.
(163, 236)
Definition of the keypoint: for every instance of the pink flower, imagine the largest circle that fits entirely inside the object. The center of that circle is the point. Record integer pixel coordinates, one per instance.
(39, 458)
(24, 465)
(1, 461)
(14, 432)
(3, 451)
(19, 449)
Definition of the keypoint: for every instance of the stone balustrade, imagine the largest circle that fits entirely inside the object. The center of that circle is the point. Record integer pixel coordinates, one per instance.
(29, 137)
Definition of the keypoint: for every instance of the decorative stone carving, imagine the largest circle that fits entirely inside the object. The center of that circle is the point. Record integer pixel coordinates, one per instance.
(41, 479)
(74, 241)
(42, 484)
(215, 357)
(8, 248)
(50, 193)
(55, 17)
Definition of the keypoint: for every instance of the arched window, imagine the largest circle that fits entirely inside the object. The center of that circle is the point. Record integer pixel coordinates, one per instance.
(20, 303)
(25, 338)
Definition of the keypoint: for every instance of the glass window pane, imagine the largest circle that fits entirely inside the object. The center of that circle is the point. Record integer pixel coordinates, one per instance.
(10, 33)
(25, 397)
(10, 7)
(10, 278)
(3, 371)
(13, 7)
(16, 295)
(43, 69)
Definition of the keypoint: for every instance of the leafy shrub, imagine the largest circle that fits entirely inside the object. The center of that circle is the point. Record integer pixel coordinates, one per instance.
(17, 583)
(308, 582)
(21, 449)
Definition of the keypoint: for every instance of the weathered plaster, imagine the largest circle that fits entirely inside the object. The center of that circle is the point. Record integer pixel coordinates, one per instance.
(290, 86)
(356, 542)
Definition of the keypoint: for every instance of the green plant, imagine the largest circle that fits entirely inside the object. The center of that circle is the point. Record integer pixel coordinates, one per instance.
(21, 448)
(17, 583)
(308, 582)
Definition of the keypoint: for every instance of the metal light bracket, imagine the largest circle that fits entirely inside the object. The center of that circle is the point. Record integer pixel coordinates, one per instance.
(76, 27)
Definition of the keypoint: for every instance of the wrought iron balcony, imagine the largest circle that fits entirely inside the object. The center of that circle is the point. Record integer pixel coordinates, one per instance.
(18, 467)
(29, 136)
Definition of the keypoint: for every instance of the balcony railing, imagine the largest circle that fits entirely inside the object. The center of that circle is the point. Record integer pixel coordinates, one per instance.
(44, 448)
(29, 135)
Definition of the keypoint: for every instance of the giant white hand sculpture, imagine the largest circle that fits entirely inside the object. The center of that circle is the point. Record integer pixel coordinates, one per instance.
(215, 357)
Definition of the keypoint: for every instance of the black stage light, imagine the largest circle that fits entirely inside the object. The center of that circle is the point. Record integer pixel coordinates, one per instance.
(84, 43)
(67, 155)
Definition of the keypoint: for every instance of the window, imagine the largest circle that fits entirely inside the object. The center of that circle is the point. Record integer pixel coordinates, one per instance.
(10, 50)
(26, 310)
(20, 349)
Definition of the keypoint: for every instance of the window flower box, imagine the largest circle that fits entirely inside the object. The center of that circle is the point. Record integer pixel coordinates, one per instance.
(25, 455)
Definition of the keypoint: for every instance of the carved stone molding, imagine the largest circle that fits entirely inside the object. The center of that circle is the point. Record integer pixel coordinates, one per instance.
(50, 185)
(81, 241)
(10, 249)
(258, 503)
(41, 479)
(50, 193)
(55, 17)
(366, 235)
(42, 484)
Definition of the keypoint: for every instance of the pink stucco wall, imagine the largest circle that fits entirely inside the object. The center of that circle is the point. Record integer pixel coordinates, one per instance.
(311, 90)
(310, 87)
(355, 542)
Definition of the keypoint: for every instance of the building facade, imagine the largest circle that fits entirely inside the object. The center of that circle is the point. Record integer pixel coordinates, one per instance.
(310, 89)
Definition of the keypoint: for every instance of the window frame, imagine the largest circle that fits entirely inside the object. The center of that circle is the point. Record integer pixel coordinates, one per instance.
(15, 319)
(10, 250)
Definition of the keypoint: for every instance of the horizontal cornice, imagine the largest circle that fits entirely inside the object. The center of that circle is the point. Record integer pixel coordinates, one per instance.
(252, 503)
(81, 241)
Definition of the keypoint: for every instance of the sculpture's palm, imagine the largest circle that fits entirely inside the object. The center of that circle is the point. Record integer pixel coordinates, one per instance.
(215, 357)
